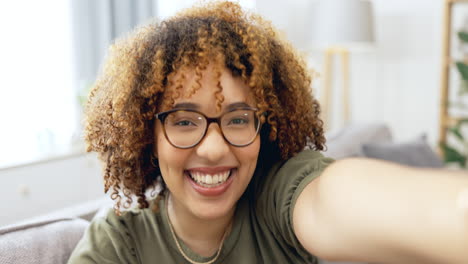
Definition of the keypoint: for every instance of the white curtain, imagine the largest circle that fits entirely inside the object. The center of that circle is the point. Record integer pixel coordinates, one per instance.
(96, 23)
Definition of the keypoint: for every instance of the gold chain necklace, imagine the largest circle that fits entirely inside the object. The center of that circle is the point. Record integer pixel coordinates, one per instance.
(180, 248)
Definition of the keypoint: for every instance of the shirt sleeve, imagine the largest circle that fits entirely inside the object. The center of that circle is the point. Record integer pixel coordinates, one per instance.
(106, 241)
(283, 185)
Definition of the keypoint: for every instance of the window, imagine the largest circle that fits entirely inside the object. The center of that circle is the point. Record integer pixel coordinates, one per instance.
(38, 106)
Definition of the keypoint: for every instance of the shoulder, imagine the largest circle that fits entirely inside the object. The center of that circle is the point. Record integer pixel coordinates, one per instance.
(105, 240)
(123, 229)
(288, 175)
(114, 237)
(306, 160)
(306, 165)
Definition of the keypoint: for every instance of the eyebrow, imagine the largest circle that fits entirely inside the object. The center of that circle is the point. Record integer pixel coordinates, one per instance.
(193, 106)
(187, 106)
(236, 105)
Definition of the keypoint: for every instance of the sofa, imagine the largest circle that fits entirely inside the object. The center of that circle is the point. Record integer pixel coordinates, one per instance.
(52, 237)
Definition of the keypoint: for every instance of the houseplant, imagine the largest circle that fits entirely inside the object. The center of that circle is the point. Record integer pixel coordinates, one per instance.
(456, 149)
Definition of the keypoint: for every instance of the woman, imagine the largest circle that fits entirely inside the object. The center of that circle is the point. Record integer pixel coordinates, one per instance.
(217, 105)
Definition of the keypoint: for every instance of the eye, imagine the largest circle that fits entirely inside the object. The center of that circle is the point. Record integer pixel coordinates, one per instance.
(238, 121)
(184, 123)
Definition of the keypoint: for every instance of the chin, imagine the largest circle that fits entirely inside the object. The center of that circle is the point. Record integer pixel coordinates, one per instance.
(211, 210)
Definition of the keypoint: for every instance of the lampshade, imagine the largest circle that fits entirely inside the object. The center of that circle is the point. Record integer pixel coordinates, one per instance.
(342, 22)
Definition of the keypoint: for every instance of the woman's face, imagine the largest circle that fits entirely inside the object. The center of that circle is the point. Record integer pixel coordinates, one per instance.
(213, 155)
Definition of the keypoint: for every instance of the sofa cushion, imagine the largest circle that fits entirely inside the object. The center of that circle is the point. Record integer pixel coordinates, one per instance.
(347, 142)
(416, 153)
(49, 241)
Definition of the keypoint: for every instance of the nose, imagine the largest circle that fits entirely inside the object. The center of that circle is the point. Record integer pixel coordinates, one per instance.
(213, 147)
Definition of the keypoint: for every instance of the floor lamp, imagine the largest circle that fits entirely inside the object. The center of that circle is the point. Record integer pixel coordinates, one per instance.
(340, 26)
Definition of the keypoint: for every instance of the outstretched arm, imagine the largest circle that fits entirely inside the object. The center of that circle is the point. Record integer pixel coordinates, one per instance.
(375, 211)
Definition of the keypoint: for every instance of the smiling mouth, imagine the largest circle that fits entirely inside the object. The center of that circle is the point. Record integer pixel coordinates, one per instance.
(210, 180)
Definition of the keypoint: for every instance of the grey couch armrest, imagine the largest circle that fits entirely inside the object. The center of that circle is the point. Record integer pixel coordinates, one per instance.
(49, 241)
(48, 238)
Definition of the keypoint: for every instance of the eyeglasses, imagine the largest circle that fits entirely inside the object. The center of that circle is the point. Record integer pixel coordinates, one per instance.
(186, 128)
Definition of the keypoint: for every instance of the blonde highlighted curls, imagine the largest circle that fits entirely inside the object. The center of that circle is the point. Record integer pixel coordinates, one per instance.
(131, 88)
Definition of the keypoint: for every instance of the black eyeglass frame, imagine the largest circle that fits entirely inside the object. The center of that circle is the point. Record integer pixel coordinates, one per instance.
(163, 115)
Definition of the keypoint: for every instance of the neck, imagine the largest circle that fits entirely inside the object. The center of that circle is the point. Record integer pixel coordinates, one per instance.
(202, 236)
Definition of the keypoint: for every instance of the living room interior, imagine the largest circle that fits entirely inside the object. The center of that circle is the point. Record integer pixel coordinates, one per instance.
(395, 85)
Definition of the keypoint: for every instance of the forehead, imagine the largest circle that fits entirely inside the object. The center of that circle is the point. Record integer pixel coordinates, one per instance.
(207, 87)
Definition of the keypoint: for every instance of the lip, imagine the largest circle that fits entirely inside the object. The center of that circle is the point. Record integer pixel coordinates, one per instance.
(212, 191)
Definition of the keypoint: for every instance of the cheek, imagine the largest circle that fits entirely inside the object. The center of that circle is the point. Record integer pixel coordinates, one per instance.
(170, 158)
(249, 154)
(255, 147)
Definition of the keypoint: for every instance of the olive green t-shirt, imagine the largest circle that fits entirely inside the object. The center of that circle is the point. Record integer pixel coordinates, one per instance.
(262, 229)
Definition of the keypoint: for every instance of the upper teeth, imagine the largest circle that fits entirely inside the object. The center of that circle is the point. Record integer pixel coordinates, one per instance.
(208, 178)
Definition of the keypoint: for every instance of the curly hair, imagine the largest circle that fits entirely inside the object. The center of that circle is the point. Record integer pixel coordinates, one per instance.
(120, 113)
